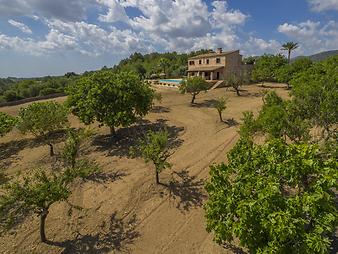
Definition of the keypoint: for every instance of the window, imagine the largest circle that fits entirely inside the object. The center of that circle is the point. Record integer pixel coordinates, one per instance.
(218, 60)
(200, 62)
(207, 61)
(191, 63)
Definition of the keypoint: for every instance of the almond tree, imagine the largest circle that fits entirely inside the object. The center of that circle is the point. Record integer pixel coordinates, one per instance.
(194, 85)
(42, 119)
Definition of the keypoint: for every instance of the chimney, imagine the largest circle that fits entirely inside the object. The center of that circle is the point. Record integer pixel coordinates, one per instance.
(219, 50)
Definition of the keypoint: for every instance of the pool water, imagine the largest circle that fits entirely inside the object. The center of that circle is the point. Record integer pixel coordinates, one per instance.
(171, 80)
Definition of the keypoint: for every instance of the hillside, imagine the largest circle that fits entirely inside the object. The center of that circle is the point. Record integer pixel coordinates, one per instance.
(319, 56)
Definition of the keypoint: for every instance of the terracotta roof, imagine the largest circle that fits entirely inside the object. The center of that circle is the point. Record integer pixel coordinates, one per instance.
(213, 54)
(205, 68)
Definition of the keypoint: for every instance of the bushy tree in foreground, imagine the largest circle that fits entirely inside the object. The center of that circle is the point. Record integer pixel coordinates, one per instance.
(42, 119)
(220, 106)
(7, 123)
(194, 85)
(275, 198)
(315, 93)
(155, 148)
(36, 194)
(112, 99)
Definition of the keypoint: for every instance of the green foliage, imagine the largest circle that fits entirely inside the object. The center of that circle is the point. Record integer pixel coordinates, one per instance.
(220, 106)
(249, 126)
(194, 85)
(36, 194)
(287, 72)
(42, 119)
(7, 123)
(155, 148)
(113, 99)
(266, 67)
(315, 92)
(72, 145)
(275, 198)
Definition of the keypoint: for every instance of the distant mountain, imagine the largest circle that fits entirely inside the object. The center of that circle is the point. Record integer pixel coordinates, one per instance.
(319, 56)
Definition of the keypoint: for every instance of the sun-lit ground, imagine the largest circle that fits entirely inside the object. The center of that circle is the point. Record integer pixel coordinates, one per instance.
(123, 210)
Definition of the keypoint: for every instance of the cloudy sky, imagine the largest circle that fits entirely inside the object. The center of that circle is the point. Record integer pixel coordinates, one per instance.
(52, 37)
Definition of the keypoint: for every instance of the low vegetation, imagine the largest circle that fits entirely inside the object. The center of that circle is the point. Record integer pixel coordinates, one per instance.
(7, 123)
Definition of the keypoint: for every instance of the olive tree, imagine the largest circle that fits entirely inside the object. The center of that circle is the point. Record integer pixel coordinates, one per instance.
(194, 85)
(42, 119)
(155, 148)
(112, 99)
(275, 198)
(7, 122)
(237, 80)
(220, 106)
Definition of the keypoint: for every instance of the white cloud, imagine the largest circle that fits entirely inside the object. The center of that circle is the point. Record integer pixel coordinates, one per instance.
(258, 46)
(323, 5)
(116, 11)
(24, 28)
(312, 36)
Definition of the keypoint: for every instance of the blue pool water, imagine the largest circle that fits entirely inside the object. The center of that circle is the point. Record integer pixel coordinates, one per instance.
(171, 80)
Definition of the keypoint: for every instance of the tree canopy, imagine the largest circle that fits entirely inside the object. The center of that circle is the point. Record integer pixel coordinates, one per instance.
(7, 122)
(276, 198)
(194, 85)
(42, 119)
(112, 99)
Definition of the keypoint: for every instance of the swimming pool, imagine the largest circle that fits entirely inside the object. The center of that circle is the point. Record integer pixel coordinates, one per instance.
(178, 81)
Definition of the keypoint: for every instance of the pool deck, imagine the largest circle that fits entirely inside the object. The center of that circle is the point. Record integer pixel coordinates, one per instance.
(165, 83)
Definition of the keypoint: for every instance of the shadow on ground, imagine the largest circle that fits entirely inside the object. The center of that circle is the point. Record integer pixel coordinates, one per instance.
(129, 137)
(187, 190)
(233, 248)
(9, 150)
(204, 104)
(118, 237)
(106, 177)
(230, 122)
(160, 109)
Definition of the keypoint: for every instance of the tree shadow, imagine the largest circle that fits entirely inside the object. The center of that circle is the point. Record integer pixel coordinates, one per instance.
(245, 93)
(129, 137)
(118, 237)
(230, 122)
(9, 150)
(160, 109)
(187, 190)
(105, 177)
(233, 248)
(205, 104)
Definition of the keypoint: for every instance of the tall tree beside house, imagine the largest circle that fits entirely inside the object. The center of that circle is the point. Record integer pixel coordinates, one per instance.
(43, 119)
(194, 86)
(112, 99)
(289, 46)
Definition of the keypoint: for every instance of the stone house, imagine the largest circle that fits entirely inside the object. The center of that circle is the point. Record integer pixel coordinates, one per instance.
(215, 66)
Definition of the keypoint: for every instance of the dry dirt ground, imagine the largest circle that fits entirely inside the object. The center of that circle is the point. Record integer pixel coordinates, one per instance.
(123, 211)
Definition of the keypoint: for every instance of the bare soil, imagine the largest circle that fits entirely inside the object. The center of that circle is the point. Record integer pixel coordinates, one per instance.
(123, 210)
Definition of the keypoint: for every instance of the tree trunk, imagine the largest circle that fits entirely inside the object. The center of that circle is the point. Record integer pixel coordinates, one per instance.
(287, 85)
(220, 116)
(51, 149)
(262, 83)
(193, 98)
(289, 56)
(237, 92)
(43, 217)
(112, 131)
(157, 177)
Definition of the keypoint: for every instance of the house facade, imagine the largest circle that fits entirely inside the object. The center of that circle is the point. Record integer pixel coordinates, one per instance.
(215, 66)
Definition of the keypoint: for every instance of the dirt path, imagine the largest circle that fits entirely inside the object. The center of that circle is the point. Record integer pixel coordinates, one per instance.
(123, 210)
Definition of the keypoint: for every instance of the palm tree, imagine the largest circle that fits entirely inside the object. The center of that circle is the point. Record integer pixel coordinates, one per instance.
(289, 46)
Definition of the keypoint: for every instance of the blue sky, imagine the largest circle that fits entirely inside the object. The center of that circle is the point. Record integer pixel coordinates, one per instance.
(48, 37)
